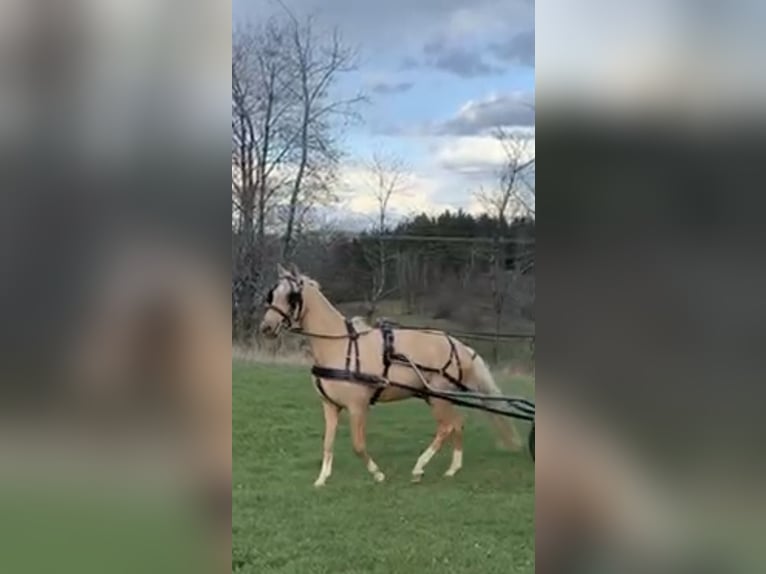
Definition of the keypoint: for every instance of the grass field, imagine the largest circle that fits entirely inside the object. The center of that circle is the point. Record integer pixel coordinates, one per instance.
(481, 521)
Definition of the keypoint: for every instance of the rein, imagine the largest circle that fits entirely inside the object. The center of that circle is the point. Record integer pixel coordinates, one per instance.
(299, 331)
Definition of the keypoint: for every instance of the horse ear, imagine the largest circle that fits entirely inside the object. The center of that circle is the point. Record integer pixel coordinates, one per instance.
(295, 270)
(281, 271)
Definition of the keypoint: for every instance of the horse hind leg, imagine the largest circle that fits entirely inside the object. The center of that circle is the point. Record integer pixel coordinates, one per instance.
(446, 419)
(457, 448)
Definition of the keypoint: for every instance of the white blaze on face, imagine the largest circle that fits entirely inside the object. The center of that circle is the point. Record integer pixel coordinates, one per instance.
(280, 295)
(279, 300)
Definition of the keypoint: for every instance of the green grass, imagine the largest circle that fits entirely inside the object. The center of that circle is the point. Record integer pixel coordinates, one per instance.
(481, 521)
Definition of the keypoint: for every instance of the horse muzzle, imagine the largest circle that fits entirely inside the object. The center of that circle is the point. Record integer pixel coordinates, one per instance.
(269, 330)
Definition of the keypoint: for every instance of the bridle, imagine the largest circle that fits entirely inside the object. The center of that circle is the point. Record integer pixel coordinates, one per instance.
(290, 318)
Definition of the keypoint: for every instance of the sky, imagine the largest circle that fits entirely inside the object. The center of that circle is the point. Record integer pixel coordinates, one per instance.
(440, 75)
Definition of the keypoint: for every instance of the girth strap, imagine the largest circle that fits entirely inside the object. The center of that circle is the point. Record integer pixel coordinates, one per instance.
(345, 375)
(353, 343)
(320, 388)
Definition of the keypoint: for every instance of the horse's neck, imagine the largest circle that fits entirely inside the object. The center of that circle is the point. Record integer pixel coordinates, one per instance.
(323, 319)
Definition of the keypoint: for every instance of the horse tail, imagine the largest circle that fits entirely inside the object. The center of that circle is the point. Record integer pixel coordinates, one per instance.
(485, 382)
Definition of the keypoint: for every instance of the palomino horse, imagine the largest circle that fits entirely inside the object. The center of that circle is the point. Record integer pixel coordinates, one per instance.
(347, 353)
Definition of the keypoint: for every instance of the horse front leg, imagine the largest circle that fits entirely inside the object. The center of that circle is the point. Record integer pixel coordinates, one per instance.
(357, 419)
(331, 416)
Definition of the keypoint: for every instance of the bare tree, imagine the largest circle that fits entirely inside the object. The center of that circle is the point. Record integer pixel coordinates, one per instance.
(388, 179)
(262, 124)
(511, 197)
(508, 200)
(318, 62)
(263, 119)
(284, 154)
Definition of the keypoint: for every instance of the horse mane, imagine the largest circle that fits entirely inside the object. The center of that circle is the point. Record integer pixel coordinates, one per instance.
(300, 277)
(309, 281)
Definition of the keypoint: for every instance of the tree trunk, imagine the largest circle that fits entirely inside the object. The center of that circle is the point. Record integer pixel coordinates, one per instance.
(245, 269)
(263, 188)
(497, 297)
(295, 195)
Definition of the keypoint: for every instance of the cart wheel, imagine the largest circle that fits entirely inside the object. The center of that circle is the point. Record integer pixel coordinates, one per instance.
(532, 442)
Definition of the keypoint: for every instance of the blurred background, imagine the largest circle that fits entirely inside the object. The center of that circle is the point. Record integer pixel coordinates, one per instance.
(115, 356)
(650, 305)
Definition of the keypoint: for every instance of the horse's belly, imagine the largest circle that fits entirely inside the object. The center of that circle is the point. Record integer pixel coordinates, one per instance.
(391, 394)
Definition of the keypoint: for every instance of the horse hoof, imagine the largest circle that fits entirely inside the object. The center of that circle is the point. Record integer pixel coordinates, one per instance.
(417, 478)
(379, 477)
(319, 484)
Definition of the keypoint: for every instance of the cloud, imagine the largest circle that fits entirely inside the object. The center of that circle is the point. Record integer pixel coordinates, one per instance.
(458, 60)
(419, 193)
(472, 33)
(409, 63)
(465, 63)
(453, 45)
(518, 49)
(477, 156)
(476, 117)
(469, 155)
(401, 24)
(388, 88)
(454, 169)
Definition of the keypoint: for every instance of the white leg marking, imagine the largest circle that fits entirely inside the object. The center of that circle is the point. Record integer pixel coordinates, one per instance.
(375, 471)
(423, 461)
(326, 471)
(457, 463)
(331, 424)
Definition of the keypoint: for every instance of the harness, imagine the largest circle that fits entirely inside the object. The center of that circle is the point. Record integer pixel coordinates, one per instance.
(389, 354)
(390, 357)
